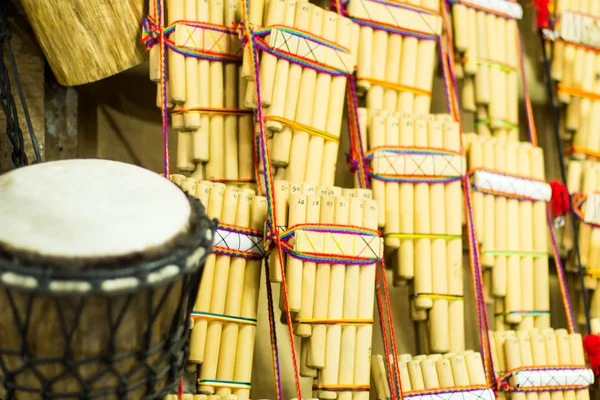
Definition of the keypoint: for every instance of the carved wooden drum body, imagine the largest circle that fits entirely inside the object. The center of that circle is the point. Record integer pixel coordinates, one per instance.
(100, 264)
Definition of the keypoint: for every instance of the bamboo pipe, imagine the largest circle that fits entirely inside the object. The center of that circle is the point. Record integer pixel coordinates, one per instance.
(564, 356)
(405, 262)
(489, 207)
(233, 303)
(430, 377)
(511, 230)
(470, 64)
(374, 98)
(249, 305)
(394, 130)
(552, 358)
(511, 106)
(208, 371)
(245, 137)
(439, 341)
(526, 242)
(497, 51)
(215, 165)
(538, 350)
(198, 335)
(482, 78)
(526, 356)
(422, 254)
(578, 358)
(282, 193)
(513, 360)
(382, 389)
(366, 297)
(416, 375)
(499, 275)
(365, 52)
(191, 120)
(540, 243)
(176, 61)
(297, 211)
(320, 118)
(377, 138)
(201, 133)
(308, 272)
(408, 73)
(350, 310)
(316, 355)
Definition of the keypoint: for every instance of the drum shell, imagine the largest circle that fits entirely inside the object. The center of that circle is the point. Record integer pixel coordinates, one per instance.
(85, 42)
(138, 337)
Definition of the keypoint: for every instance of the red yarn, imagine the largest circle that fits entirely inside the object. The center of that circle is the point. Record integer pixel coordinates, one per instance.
(591, 344)
(542, 8)
(180, 394)
(559, 202)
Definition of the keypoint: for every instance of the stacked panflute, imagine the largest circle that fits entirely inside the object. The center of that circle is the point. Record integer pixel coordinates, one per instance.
(397, 53)
(487, 45)
(302, 107)
(514, 259)
(206, 97)
(421, 220)
(222, 338)
(539, 348)
(430, 374)
(331, 304)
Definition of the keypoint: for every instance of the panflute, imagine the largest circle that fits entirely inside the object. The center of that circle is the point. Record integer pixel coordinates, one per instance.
(486, 40)
(415, 168)
(509, 195)
(222, 338)
(332, 303)
(302, 87)
(433, 375)
(538, 359)
(206, 91)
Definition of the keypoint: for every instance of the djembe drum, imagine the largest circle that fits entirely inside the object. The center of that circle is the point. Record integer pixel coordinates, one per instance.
(100, 265)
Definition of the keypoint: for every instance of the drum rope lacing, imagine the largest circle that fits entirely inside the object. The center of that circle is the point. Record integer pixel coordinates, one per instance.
(7, 100)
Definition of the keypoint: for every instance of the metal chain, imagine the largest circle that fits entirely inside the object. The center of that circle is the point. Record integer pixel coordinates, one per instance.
(7, 101)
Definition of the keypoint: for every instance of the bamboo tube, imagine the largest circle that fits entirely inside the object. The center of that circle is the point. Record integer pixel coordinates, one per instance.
(249, 305)
(215, 165)
(497, 52)
(176, 61)
(191, 119)
(336, 108)
(538, 350)
(424, 76)
(392, 70)
(453, 202)
(281, 79)
(438, 315)
(350, 311)
(382, 388)
(316, 144)
(365, 52)
(374, 96)
(203, 192)
(511, 231)
(568, 59)
(476, 160)
(230, 134)
(294, 265)
(233, 303)
(540, 243)
(366, 297)
(526, 356)
(499, 315)
(497, 352)
(511, 105)
(526, 242)
(198, 335)
(202, 97)
(470, 64)
(245, 137)
(564, 356)
(255, 17)
(459, 370)
(308, 272)
(189, 186)
(282, 193)
(589, 183)
(556, 71)
(405, 262)
(468, 95)
(423, 269)
(329, 374)
(316, 355)
(305, 370)
(376, 139)
(282, 141)
(489, 223)
(499, 270)
(460, 25)
(408, 73)
(513, 360)
(482, 78)
(592, 139)
(218, 298)
(394, 129)
(310, 83)
(416, 375)
(430, 377)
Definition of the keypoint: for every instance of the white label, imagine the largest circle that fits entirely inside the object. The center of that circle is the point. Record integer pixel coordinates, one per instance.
(290, 42)
(581, 29)
(555, 377)
(227, 240)
(399, 17)
(502, 6)
(512, 185)
(478, 394)
(205, 39)
(592, 209)
(410, 164)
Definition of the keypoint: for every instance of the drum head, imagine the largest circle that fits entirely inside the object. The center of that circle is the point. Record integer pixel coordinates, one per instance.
(89, 209)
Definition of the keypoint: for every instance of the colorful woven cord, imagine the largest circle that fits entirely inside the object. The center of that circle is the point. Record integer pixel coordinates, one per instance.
(225, 384)
(453, 389)
(579, 200)
(304, 128)
(583, 150)
(503, 381)
(437, 296)
(342, 388)
(286, 237)
(574, 91)
(508, 124)
(222, 317)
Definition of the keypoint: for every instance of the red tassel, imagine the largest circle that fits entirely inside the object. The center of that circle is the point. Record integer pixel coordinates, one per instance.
(559, 202)
(591, 344)
(180, 391)
(542, 8)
